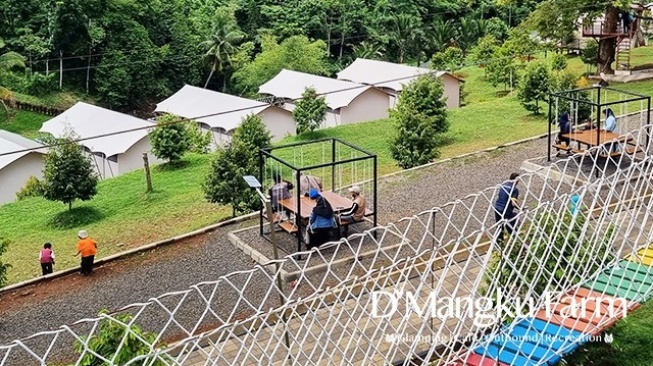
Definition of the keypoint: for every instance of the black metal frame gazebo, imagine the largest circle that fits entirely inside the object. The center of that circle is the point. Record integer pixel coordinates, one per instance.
(332, 161)
(597, 105)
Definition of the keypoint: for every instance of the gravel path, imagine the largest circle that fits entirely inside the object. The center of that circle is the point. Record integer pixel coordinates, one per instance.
(173, 268)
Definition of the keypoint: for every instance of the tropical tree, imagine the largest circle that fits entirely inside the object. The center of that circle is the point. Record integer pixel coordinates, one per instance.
(502, 68)
(296, 53)
(222, 44)
(310, 111)
(415, 140)
(484, 50)
(405, 35)
(170, 140)
(368, 50)
(450, 59)
(8, 61)
(534, 87)
(442, 34)
(253, 134)
(425, 96)
(68, 173)
(559, 17)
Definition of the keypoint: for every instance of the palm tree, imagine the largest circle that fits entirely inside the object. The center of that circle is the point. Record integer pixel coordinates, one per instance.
(405, 33)
(8, 61)
(443, 35)
(222, 44)
(369, 50)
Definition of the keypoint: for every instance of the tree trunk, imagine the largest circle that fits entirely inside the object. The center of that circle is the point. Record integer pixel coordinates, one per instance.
(342, 38)
(607, 46)
(88, 69)
(47, 67)
(70, 205)
(60, 69)
(209, 78)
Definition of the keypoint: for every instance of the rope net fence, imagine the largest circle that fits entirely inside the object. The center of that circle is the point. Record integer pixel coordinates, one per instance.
(430, 285)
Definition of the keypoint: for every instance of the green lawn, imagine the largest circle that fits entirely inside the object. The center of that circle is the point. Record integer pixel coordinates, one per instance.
(120, 213)
(24, 123)
(631, 346)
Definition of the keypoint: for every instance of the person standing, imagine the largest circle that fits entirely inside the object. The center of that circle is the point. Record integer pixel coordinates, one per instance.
(46, 257)
(308, 182)
(87, 248)
(505, 206)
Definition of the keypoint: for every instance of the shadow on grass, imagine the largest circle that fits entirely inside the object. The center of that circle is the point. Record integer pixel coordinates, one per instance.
(78, 216)
(502, 93)
(171, 166)
(309, 136)
(445, 140)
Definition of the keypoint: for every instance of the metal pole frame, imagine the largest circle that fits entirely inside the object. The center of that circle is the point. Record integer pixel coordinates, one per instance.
(549, 134)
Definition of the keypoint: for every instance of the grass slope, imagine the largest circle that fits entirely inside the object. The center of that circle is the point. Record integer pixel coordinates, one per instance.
(23, 123)
(120, 213)
(631, 345)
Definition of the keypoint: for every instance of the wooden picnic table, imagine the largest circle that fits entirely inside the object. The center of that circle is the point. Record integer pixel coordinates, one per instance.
(589, 137)
(308, 204)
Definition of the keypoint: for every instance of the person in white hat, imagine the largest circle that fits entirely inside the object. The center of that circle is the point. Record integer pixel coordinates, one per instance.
(357, 210)
(87, 248)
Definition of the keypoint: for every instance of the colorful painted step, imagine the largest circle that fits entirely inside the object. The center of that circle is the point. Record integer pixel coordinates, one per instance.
(472, 359)
(629, 280)
(644, 256)
(531, 341)
(585, 311)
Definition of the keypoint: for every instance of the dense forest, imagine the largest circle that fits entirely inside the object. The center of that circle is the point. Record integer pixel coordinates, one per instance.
(127, 54)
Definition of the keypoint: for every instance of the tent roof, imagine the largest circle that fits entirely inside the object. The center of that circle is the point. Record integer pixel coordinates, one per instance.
(87, 120)
(383, 74)
(192, 102)
(290, 84)
(10, 142)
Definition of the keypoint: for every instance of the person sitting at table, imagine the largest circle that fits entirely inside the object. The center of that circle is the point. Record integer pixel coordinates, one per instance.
(308, 182)
(321, 221)
(610, 121)
(357, 210)
(565, 128)
(610, 126)
(279, 191)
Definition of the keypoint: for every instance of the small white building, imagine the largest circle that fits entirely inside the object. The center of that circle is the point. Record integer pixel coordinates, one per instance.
(221, 113)
(116, 152)
(16, 169)
(391, 78)
(347, 102)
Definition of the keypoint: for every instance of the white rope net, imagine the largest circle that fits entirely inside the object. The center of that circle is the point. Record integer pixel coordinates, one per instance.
(342, 311)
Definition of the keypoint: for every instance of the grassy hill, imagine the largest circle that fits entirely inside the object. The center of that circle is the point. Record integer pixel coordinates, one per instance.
(120, 217)
(123, 214)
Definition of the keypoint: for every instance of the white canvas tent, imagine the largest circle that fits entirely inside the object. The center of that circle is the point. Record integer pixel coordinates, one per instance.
(17, 168)
(391, 78)
(348, 102)
(116, 152)
(221, 113)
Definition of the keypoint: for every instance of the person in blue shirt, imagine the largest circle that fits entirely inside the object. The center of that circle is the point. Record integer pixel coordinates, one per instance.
(610, 121)
(505, 206)
(574, 203)
(321, 221)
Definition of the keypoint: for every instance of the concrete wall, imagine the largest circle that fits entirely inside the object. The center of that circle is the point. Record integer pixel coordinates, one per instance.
(14, 176)
(368, 106)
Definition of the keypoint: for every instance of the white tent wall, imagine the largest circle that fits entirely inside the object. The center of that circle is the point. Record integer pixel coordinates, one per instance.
(132, 159)
(14, 176)
(279, 122)
(369, 106)
(451, 91)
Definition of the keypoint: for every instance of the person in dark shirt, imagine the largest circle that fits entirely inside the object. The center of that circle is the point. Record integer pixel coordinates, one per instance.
(279, 191)
(505, 206)
(565, 128)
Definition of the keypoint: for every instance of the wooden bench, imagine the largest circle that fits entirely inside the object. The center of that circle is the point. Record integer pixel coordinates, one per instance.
(288, 227)
(610, 155)
(633, 150)
(561, 147)
(346, 225)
